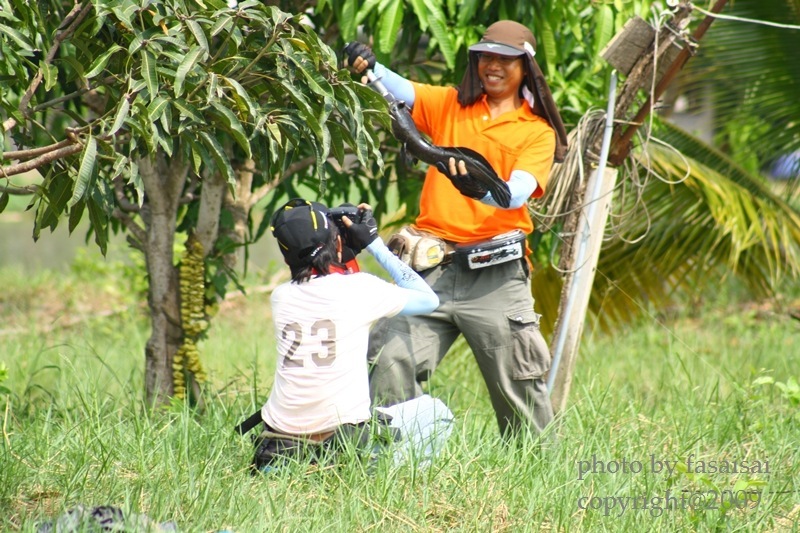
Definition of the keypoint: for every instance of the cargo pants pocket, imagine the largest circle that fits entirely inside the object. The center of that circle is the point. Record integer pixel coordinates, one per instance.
(531, 359)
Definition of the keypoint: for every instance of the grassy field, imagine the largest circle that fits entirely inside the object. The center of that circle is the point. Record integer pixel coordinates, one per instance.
(714, 387)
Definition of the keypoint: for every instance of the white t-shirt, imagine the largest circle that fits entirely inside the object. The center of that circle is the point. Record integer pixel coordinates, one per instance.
(322, 329)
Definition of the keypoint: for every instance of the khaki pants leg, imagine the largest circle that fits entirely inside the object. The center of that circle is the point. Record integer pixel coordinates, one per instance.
(495, 313)
(493, 308)
(404, 351)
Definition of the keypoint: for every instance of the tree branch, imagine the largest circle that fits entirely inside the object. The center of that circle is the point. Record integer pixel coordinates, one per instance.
(125, 205)
(33, 152)
(294, 168)
(189, 195)
(55, 101)
(136, 230)
(19, 191)
(32, 164)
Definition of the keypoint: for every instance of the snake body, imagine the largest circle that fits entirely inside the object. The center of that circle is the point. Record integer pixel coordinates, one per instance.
(406, 132)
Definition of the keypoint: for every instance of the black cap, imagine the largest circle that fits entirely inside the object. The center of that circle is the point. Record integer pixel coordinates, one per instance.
(302, 228)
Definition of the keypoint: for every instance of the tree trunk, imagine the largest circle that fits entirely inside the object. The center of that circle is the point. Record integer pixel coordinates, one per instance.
(211, 198)
(238, 203)
(163, 184)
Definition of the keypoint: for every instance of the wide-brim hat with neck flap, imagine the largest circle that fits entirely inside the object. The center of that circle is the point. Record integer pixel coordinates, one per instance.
(510, 38)
(302, 229)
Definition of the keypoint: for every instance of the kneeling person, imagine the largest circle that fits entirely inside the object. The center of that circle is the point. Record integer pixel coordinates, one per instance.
(320, 397)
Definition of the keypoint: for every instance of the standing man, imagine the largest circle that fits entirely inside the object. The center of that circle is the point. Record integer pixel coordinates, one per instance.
(504, 110)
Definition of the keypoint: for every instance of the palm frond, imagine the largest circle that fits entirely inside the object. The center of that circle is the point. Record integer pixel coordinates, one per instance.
(698, 218)
(753, 73)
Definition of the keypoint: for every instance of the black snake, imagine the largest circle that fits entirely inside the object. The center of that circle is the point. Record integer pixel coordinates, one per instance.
(406, 132)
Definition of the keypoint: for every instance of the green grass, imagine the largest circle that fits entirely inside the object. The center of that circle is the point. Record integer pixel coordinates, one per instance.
(716, 383)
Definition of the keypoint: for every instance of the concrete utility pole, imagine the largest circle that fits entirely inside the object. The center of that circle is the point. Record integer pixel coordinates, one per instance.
(637, 51)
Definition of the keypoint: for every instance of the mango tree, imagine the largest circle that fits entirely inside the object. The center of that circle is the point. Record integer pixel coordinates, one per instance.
(172, 119)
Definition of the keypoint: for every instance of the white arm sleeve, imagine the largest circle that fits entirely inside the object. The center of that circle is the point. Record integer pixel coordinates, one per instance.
(521, 184)
(401, 88)
(421, 298)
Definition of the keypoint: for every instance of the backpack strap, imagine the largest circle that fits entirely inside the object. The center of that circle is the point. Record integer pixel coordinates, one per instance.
(249, 423)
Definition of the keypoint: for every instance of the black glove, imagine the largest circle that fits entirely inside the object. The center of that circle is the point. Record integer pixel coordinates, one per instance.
(359, 235)
(355, 49)
(466, 184)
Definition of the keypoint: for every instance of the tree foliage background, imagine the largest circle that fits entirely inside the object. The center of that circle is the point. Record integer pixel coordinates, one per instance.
(166, 118)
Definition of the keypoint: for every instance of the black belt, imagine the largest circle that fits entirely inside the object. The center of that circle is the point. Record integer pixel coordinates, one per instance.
(500, 249)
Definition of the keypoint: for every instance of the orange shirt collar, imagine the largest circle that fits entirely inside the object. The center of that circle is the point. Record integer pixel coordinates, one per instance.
(523, 112)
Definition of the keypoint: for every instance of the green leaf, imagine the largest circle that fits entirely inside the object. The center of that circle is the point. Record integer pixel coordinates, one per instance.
(438, 23)
(390, 22)
(337, 132)
(316, 81)
(22, 40)
(156, 108)
(144, 130)
(303, 105)
(249, 107)
(223, 164)
(365, 10)
(50, 73)
(548, 41)
(177, 43)
(166, 144)
(234, 126)
(56, 191)
(149, 74)
(185, 67)
(100, 63)
(166, 119)
(136, 86)
(88, 161)
(213, 87)
(275, 131)
(98, 219)
(197, 153)
(220, 25)
(421, 12)
(466, 11)
(604, 28)
(3, 201)
(764, 380)
(347, 19)
(197, 31)
(189, 111)
(76, 214)
(122, 114)
(124, 11)
(77, 67)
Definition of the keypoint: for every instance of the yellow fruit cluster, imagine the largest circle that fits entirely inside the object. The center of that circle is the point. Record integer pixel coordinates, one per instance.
(193, 317)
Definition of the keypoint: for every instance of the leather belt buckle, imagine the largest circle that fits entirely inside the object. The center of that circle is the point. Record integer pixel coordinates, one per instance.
(449, 252)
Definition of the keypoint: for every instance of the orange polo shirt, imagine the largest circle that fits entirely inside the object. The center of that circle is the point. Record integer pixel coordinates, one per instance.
(517, 140)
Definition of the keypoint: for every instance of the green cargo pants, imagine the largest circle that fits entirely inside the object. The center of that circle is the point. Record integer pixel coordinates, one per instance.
(493, 308)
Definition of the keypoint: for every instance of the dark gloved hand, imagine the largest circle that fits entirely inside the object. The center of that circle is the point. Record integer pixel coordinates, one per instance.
(359, 236)
(466, 185)
(353, 50)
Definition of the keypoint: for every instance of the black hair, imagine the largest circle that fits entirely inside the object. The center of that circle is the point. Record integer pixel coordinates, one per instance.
(320, 264)
(470, 91)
